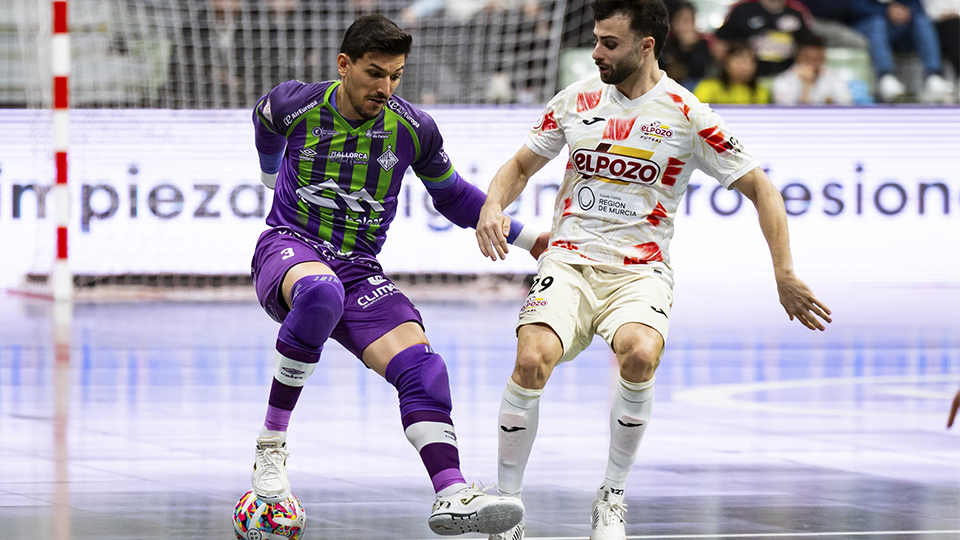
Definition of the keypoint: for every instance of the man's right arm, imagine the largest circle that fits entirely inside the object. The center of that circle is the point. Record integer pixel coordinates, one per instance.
(506, 186)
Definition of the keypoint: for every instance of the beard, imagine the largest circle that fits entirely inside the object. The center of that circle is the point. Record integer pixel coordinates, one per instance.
(366, 113)
(618, 73)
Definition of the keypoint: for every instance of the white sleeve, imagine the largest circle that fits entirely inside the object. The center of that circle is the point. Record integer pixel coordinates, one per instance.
(718, 152)
(546, 138)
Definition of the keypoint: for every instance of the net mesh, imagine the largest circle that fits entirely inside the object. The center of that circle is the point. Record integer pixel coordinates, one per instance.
(224, 54)
(208, 55)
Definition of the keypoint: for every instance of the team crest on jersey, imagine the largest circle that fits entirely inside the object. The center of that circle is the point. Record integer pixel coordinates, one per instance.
(618, 164)
(388, 159)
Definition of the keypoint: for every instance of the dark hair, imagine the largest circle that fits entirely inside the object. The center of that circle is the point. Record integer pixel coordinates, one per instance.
(648, 18)
(375, 33)
(737, 46)
(811, 40)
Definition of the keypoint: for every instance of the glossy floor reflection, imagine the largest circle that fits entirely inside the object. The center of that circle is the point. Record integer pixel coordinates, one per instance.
(143, 427)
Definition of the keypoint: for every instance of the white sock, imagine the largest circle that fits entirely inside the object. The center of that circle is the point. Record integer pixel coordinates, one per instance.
(629, 417)
(264, 432)
(519, 416)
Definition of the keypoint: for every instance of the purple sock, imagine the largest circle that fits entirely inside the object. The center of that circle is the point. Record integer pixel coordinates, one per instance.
(316, 306)
(420, 377)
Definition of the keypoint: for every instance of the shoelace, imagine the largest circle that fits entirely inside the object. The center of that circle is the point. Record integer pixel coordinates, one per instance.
(273, 456)
(612, 511)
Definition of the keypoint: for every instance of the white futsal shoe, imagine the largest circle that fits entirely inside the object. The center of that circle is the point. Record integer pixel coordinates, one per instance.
(607, 515)
(472, 510)
(516, 533)
(270, 481)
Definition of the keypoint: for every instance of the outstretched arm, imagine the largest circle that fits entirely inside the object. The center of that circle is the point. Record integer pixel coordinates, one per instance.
(493, 226)
(460, 202)
(795, 296)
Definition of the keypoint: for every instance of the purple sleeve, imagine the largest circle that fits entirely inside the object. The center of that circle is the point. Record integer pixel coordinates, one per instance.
(460, 202)
(270, 142)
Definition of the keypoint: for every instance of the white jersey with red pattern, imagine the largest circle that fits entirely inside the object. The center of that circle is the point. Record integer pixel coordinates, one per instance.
(629, 164)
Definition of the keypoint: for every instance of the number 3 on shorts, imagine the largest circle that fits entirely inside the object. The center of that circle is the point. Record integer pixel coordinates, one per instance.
(286, 254)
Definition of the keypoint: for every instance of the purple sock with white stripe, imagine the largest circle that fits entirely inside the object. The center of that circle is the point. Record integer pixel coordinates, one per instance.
(317, 303)
(420, 377)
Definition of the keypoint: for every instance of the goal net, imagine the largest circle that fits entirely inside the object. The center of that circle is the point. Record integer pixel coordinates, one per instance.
(163, 175)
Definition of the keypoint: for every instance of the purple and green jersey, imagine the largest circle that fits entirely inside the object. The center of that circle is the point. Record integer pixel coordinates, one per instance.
(339, 179)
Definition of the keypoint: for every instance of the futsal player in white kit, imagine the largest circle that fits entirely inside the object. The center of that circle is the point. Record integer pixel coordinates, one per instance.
(635, 136)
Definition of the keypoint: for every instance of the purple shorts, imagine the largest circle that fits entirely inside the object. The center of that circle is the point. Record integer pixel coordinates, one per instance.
(372, 304)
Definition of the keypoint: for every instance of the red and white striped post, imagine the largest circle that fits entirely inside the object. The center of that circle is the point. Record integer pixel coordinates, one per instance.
(62, 279)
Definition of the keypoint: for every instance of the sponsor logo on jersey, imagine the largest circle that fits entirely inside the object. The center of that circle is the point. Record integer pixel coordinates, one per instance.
(288, 119)
(388, 159)
(613, 204)
(349, 158)
(716, 139)
(617, 164)
(307, 154)
(377, 134)
(586, 198)
(532, 304)
(321, 133)
(655, 131)
(377, 294)
(397, 108)
(376, 280)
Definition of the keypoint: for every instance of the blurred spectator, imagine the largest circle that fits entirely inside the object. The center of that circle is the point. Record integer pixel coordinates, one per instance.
(686, 54)
(901, 25)
(772, 28)
(831, 20)
(946, 15)
(808, 81)
(737, 83)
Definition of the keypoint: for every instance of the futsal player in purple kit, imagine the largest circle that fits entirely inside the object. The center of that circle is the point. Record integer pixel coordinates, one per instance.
(335, 153)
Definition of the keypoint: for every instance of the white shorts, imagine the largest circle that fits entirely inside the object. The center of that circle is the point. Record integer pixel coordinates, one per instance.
(578, 301)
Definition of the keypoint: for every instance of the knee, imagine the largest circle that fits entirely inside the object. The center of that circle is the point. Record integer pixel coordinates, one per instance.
(639, 360)
(321, 295)
(420, 377)
(533, 368)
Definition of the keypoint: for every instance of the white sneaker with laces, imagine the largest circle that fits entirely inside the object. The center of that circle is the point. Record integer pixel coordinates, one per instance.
(270, 481)
(936, 89)
(516, 533)
(472, 510)
(607, 515)
(890, 88)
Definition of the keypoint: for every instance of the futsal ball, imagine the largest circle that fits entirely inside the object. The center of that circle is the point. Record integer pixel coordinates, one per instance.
(254, 519)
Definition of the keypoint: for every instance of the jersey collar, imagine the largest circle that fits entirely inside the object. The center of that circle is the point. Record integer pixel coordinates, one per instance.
(651, 94)
(339, 120)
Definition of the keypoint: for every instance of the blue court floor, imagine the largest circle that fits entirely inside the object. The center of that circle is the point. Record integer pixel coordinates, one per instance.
(143, 426)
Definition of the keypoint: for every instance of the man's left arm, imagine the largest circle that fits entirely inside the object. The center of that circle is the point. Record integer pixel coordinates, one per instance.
(795, 296)
(460, 202)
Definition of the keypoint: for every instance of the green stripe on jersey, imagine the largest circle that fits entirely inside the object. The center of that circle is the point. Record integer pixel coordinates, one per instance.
(386, 177)
(413, 134)
(440, 178)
